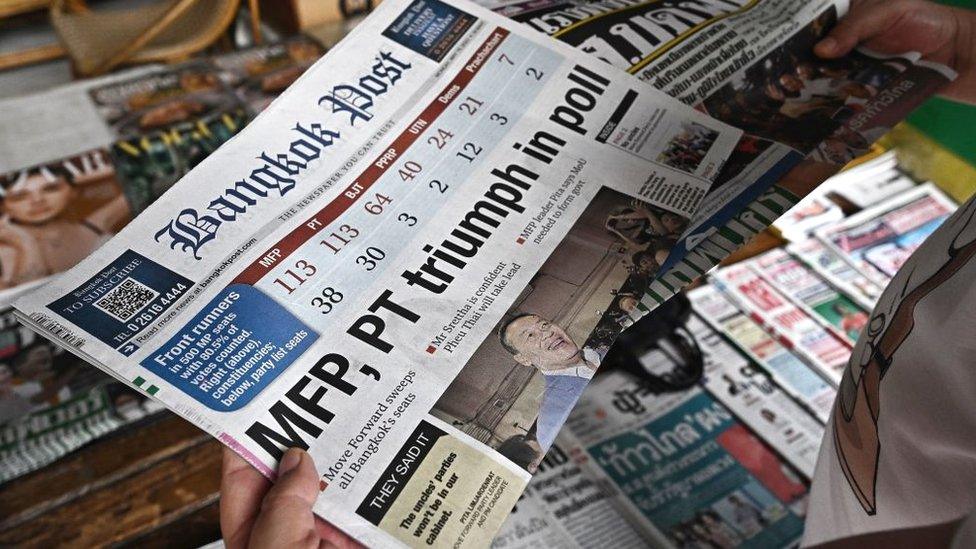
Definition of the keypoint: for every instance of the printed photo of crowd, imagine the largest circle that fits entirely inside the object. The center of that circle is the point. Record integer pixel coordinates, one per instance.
(799, 99)
(518, 388)
(686, 149)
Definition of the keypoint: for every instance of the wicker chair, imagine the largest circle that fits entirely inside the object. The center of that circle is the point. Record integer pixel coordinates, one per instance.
(165, 31)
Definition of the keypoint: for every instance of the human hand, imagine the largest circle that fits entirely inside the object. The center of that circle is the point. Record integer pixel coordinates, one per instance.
(940, 33)
(256, 514)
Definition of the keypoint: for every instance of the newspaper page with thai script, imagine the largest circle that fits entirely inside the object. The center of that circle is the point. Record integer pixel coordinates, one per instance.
(822, 349)
(672, 349)
(879, 239)
(789, 372)
(569, 506)
(821, 301)
(322, 278)
(749, 63)
(692, 472)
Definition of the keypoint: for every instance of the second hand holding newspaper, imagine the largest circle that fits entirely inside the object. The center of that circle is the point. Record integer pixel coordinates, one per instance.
(321, 279)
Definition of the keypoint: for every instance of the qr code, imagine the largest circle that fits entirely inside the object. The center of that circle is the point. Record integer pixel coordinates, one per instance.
(126, 299)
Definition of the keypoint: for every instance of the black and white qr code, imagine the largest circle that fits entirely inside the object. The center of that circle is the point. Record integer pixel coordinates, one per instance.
(126, 299)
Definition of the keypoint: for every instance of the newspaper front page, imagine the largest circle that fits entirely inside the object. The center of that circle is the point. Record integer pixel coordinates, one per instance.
(822, 349)
(320, 280)
(749, 63)
(687, 468)
(789, 372)
(878, 240)
(834, 310)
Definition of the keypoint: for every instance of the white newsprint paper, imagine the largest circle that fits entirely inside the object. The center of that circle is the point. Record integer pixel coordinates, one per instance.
(323, 278)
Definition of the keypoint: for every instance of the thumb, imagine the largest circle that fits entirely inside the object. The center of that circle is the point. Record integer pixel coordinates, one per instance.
(862, 23)
(286, 518)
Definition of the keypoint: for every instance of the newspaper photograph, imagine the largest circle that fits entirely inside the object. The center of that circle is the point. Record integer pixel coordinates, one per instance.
(826, 352)
(878, 240)
(787, 371)
(688, 467)
(217, 301)
(804, 117)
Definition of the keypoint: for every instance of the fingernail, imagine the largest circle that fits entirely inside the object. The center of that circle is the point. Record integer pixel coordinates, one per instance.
(827, 45)
(291, 460)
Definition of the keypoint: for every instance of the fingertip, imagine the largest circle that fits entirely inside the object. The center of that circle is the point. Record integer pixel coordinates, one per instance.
(291, 460)
(827, 47)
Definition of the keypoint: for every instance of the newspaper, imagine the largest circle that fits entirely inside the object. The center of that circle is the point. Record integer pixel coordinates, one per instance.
(812, 212)
(259, 74)
(218, 299)
(51, 402)
(692, 473)
(749, 63)
(855, 188)
(841, 274)
(743, 388)
(878, 240)
(788, 372)
(868, 183)
(567, 506)
(826, 352)
(835, 311)
(57, 123)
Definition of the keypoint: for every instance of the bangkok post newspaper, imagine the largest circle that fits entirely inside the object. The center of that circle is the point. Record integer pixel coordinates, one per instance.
(321, 279)
(749, 63)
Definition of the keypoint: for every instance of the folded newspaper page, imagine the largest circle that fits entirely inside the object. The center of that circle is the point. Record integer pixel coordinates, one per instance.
(796, 329)
(749, 63)
(321, 279)
(790, 373)
(690, 472)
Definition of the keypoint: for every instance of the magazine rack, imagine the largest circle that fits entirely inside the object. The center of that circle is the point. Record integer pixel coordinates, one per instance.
(167, 30)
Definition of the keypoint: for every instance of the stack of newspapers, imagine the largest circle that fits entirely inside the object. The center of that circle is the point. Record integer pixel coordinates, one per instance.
(414, 260)
(728, 460)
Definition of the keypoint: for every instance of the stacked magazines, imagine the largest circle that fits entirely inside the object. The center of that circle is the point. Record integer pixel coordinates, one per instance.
(414, 260)
(62, 199)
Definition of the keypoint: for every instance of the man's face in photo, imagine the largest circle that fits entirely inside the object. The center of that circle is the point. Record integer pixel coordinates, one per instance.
(541, 343)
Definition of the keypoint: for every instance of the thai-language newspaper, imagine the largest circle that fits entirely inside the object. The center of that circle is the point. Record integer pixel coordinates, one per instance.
(749, 63)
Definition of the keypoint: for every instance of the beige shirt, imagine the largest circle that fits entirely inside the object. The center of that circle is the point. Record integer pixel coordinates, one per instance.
(900, 451)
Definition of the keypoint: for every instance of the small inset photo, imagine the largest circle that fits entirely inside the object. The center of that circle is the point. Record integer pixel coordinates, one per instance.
(686, 150)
